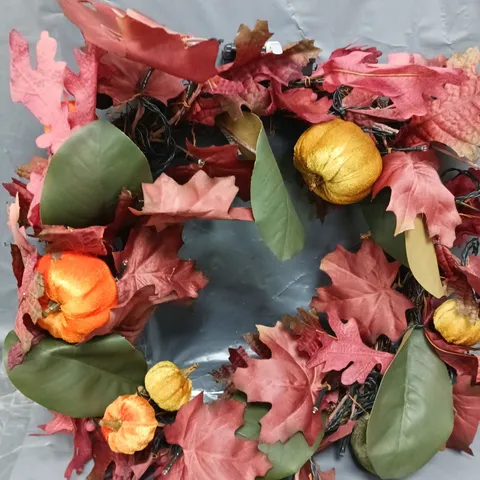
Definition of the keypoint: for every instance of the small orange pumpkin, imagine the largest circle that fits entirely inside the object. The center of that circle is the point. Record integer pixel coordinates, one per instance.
(129, 424)
(79, 292)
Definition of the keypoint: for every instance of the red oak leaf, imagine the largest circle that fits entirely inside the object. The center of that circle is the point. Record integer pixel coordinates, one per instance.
(348, 352)
(466, 402)
(132, 35)
(417, 188)
(249, 43)
(292, 388)
(83, 86)
(35, 186)
(307, 473)
(122, 217)
(206, 434)
(220, 161)
(41, 89)
(59, 424)
(36, 165)
(343, 431)
(17, 264)
(204, 110)
(120, 78)
(452, 118)
(25, 197)
(166, 202)
(82, 240)
(362, 290)
(408, 86)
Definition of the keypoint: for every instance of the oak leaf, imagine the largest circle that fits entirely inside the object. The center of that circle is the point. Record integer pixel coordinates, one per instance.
(362, 290)
(206, 434)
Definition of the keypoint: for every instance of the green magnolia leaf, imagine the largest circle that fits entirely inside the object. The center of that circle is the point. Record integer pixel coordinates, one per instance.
(286, 459)
(78, 380)
(412, 417)
(86, 176)
(382, 226)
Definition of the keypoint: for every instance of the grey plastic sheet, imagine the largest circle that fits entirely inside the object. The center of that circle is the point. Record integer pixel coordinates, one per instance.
(247, 285)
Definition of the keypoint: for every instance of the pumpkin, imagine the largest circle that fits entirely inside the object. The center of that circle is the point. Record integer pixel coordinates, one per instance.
(169, 386)
(455, 327)
(79, 292)
(338, 161)
(129, 424)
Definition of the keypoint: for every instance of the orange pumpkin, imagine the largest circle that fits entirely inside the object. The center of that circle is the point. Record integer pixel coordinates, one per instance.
(129, 424)
(79, 293)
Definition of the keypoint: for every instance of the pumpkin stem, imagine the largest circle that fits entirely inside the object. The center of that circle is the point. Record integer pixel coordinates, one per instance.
(186, 372)
(114, 424)
(53, 307)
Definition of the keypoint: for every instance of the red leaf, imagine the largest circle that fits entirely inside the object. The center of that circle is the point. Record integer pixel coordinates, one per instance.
(220, 161)
(17, 264)
(59, 424)
(206, 434)
(132, 35)
(466, 401)
(35, 186)
(417, 188)
(82, 240)
(167, 202)
(348, 352)
(328, 475)
(120, 78)
(408, 86)
(292, 388)
(306, 473)
(123, 215)
(83, 86)
(343, 431)
(362, 289)
(249, 43)
(452, 118)
(40, 89)
(151, 258)
(472, 272)
(25, 197)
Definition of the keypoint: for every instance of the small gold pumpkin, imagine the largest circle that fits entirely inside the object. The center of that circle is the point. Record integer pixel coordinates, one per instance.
(169, 386)
(454, 327)
(338, 161)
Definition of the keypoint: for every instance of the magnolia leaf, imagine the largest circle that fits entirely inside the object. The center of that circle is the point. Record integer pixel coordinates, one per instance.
(78, 380)
(244, 132)
(87, 174)
(382, 227)
(272, 207)
(422, 258)
(412, 417)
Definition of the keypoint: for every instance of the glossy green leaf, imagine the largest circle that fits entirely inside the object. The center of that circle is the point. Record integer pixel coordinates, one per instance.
(78, 380)
(86, 176)
(382, 226)
(412, 417)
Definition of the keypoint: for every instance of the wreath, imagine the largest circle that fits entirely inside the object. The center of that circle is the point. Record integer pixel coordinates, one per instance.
(149, 133)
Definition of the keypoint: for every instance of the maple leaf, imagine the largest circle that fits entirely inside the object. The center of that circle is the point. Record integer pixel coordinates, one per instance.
(292, 388)
(167, 202)
(408, 86)
(219, 161)
(82, 240)
(348, 352)
(249, 43)
(83, 86)
(417, 188)
(466, 402)
(134, 36)
(362, 290)
(453, 117)
(206, 434)
(120, 79)
(41, 89)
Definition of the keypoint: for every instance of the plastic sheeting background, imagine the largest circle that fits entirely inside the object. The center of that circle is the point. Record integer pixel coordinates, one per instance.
(247, 285)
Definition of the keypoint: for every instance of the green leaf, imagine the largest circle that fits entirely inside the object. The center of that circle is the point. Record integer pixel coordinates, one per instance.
(412, 417)
(86, 176)
(78, 380)
(382, 226)
(287, 458)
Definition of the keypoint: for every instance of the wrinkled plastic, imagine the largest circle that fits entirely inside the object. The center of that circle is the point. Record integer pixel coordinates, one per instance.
(247, 284)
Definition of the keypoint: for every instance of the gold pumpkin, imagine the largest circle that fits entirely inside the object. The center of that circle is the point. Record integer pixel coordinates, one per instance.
(169, 386)
(338, 161)
(454, 327)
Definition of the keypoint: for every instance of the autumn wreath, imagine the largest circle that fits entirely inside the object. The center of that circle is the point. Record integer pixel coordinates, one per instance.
(383, 359)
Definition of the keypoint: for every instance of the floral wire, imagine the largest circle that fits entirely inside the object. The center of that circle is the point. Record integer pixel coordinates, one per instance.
(471, 248)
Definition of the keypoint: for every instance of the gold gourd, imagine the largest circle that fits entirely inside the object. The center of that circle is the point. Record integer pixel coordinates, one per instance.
(338, 161)
(454, 327)
(169, 386)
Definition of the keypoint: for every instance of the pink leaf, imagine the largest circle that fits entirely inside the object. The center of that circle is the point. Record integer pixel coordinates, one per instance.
(362, 289)
(25, 198)
(59, 424)
(167, 202)
(35, 186)
(292, 388)
(417, 188)
(348, 352)
(210, 429)
(40, 89)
